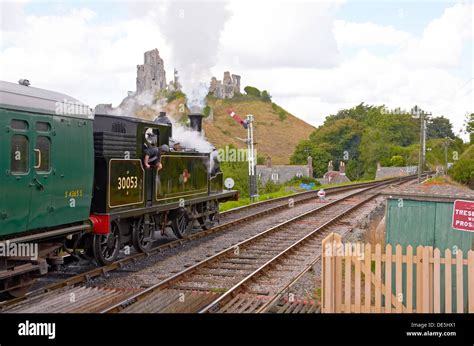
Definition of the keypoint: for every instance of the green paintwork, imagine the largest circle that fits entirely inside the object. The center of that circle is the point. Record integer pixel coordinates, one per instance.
(126, 182)
(60, 196)
(183, 175)
(217, 183)
(427, 223)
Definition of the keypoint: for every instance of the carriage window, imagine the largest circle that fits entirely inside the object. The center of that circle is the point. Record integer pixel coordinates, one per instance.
(19, 154)
(42, 154)
(19, 124)
(44, 127)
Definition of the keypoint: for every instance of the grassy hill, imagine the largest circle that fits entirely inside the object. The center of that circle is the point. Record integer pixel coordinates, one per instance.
(276, 131)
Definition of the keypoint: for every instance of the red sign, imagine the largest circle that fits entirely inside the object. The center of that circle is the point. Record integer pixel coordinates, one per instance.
(463, 215)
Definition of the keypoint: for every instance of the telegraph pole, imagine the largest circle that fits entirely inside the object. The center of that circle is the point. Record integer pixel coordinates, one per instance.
(446, 143)
(421, 156)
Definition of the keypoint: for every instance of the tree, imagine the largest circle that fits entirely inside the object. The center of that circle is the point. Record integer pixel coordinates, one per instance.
(463, 169)
(397, 161)
(366, 134)
(252, 91)
(354, 169)
(439, 127)
(340, 139)
(266, 97)
(320, 157)
(469, 122)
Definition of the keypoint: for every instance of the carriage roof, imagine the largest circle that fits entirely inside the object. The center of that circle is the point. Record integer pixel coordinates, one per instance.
(25, 98)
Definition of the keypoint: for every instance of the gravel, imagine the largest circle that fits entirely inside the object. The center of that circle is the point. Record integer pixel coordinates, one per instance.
(161, 266)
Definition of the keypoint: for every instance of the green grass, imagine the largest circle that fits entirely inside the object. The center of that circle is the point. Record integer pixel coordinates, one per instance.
(437, 180)
(317, 294)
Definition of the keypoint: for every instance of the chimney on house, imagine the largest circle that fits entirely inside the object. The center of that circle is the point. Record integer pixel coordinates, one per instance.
(378, 166)
(310, 166)
(330, 166)
(342, 168)
(269, 161)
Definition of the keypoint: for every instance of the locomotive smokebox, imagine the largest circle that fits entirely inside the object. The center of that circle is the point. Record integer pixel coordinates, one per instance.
(196, 121)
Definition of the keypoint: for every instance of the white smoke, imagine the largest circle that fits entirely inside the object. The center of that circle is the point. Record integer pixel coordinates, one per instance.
(193, 35)
(135, 102)
(191, 139)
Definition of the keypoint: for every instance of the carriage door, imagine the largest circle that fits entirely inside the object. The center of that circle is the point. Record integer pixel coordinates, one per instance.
(41, 207)
(17, 173)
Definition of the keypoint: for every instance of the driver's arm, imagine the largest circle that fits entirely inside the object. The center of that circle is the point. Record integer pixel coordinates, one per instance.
(145, 161)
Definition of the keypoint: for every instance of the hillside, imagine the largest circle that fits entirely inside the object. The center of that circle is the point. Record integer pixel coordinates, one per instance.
(276, 131)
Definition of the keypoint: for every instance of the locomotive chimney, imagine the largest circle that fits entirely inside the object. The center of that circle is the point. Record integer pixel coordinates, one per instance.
(196, 121)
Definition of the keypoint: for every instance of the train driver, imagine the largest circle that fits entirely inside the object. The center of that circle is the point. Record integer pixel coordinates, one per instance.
(152, 152)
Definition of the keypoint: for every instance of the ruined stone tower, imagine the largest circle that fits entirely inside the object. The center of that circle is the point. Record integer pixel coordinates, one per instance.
(151, 75)
(226, 88)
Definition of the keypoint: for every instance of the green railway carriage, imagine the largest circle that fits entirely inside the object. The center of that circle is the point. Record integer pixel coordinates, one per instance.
(45, 161)
(73, 181)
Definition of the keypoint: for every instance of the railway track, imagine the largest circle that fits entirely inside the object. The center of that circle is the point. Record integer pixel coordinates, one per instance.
(241, 299)
(228, 220)
(199, 295)
(213, 284)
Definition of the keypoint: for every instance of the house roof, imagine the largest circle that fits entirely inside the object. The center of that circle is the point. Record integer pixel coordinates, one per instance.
(431, 192)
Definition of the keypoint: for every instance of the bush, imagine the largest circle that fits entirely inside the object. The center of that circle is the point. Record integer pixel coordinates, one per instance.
(207, 111)
(282, 115)
(174, 95)
(397, 161)
(463, 170)
(252, 91)
(354, 169)
(269, 187)
(266, 97)
(302, 180)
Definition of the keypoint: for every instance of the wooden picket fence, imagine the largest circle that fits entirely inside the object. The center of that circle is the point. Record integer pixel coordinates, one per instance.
(366, 282)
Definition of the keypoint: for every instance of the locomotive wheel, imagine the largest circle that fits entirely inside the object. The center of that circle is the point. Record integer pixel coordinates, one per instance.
(181, 224)
(106, 247)
(142, 232)
(210, 209)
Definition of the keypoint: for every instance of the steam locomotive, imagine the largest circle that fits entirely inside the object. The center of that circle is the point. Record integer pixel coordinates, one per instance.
(76, 182)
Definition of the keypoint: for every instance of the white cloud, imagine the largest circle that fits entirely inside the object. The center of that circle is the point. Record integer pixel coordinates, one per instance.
(80, 56)
(350, 34)
(443, 40)
(290, 50)
(280, 34)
